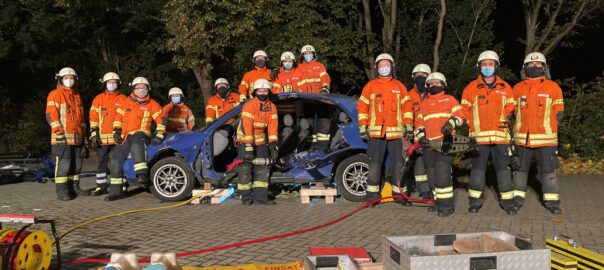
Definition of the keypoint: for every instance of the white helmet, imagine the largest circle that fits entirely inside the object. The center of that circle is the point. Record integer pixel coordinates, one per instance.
(288, 56)
(307, 48)
(384, 56)
(259, 53)
(486, 55)
(138, 80)
(421, 68)
(535, 57)
(175, 91)
(221, 80)
(436, 76)
(110, 76)
(66, 71)
(262, 83)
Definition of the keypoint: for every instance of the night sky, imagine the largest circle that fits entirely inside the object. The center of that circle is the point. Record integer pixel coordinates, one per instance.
(586, 61)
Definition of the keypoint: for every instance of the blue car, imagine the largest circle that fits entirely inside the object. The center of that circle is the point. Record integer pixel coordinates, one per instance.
(185, 160)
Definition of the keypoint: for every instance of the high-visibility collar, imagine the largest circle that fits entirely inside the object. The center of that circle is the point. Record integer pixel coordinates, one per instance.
(136, 100)
(436, 96)
(114, 93)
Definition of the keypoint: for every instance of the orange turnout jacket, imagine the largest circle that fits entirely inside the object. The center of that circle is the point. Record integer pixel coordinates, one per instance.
(217, 106)
(133, 116)
(65, 114)
(102, 114)
(247, 82)
(178, 117)
(435, 111)
(315, 76)
(257, 120)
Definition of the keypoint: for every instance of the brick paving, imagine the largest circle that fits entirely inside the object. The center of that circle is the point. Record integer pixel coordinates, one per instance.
(201, 226)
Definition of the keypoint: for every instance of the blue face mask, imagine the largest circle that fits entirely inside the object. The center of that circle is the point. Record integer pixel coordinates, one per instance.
(309, 57)
(487, 71)
(384, 71)
(288, 65)
(176, 100)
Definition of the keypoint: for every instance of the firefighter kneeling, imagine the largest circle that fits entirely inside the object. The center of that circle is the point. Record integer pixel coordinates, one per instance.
(258, 117)
(131, 130)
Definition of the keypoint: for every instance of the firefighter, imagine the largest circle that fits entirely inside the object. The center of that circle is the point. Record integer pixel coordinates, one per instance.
(257, 127)
(289, 77)
(539, 109)
(65, 115)
(223, 101)
(316, 80)
(102, 114)
(439, 115)
(131, 131)
(417, 93)
(488, 102)
(178, 115)
(385, 116)
(260, 71)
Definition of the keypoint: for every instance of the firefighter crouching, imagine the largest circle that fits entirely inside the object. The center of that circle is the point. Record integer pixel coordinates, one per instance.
(178, 115)
(131, 130)
(102, 114)
(257, 127)
(539, 108)
(385, 115)
(65, 115)
(439, 115)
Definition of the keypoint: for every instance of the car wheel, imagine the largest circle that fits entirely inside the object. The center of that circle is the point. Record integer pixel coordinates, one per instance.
(172, 179)
(351, 177)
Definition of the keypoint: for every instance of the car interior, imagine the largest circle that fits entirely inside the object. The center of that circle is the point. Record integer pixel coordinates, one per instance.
(296, 122)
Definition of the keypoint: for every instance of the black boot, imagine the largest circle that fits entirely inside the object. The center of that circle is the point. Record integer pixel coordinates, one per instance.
(63, 192)
(115, 193)
(444, 213)
(99, 191)
(260, 196)
(371, 196)
(427, 195)
(78, 191)
(474, 208)
(246, 197)
(142, 179)
(554, 209)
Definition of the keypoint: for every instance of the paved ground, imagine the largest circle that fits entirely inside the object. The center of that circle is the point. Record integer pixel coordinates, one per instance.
(201, 226)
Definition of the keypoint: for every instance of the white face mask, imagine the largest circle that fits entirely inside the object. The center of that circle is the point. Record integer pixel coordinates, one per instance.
(140, 92)
(111, 87)
(68, 83)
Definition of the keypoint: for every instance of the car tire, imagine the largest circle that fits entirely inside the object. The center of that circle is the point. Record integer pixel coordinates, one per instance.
(351, 177)
(172, 179)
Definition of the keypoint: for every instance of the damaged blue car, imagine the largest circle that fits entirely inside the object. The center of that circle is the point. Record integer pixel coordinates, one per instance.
(185, 160)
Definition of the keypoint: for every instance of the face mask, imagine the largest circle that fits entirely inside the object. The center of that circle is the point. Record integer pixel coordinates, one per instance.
(111, 87)
(534, 72)
(222, 91)
(435, 89)
(262, 97)
(176, 100)
(68, 83)
(420, 83)
(288, 65)
(261, 63)
(487, 71)
(384, 71)
(140, 93)
(309, 57)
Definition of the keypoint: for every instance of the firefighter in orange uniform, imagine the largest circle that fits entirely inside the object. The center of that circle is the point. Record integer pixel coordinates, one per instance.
(488, 103)
(102, 114)
(65, 115)
(417, 93)
(385, 116)
(439, 115)
(223, 101)
(131, 131)
(178, 115)
(260, 71)
(539, 109)
(316, 80)
(289, 78)
(259, 125)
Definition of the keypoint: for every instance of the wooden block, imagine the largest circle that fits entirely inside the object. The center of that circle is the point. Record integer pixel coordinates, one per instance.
(207, 185)
(466, 246)
(328, 193)
(491, 244)
(319, 184)
(305, 199)
(329, 199)
(215, 199)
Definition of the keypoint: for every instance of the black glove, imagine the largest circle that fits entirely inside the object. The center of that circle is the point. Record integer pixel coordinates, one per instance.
(85, 152)
(157, 139)
(274, 74)
(60, 139)
(95, 139)
(424, 142)
(117, 135)
(324, 90)
(364, 133)
(274, 150)
(448, 126)
(473, 144)
(409, 133)
(249, 152)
